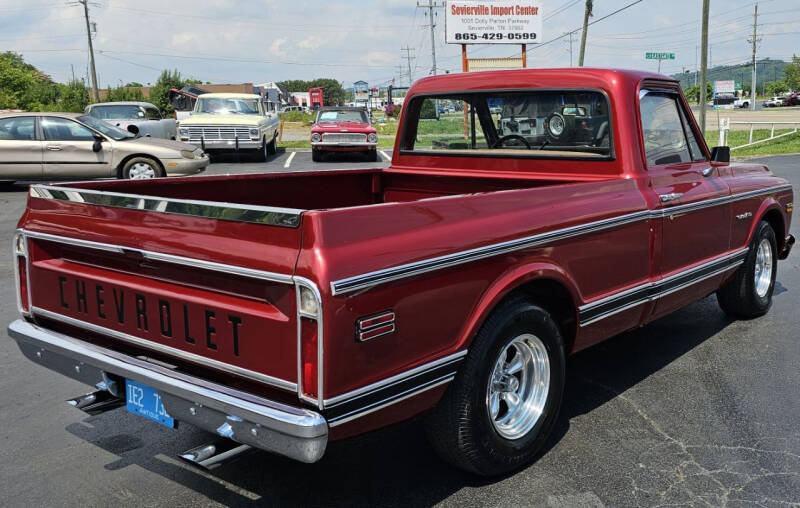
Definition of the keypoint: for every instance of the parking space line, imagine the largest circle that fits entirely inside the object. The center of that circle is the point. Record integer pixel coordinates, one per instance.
(383, 154)
(289, 160)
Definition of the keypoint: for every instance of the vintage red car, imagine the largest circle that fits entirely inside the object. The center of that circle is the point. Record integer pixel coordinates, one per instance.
(284, 311)
(343, 129)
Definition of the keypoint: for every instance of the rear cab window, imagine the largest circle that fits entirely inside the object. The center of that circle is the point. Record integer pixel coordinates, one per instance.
(537, 124)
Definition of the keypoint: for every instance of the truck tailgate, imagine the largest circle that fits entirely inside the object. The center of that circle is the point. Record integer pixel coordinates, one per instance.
(214, 292)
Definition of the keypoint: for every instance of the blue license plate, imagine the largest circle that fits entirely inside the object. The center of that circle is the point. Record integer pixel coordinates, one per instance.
(145, 401)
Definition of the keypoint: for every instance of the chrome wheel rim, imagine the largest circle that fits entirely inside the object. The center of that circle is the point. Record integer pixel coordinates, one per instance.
(142, 171)
(763, 268)
(518, 386)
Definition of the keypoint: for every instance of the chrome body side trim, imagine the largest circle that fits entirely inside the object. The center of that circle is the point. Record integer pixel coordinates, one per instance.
(371, 279)
(208, 362)
(394, 379)
(649, 291)
(168, 258)
(291, 431)
(389, 402)
(267, 215)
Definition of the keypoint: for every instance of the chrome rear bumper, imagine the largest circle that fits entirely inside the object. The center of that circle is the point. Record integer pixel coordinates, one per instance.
(294, 432)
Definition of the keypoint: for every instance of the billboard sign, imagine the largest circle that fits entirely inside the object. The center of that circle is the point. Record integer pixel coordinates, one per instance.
(728, 86)
(493, 22)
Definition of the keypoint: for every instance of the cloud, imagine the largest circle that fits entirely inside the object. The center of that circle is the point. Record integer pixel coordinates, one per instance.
(310, 42)
(378, 58)
(275, 47)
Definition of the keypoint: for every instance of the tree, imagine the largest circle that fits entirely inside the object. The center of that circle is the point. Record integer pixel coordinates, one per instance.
(792, 73)
(693, 92)
(124, 93)
(159, 93)
(73, 96)
(332, 91)
(133, 84)
(23, 86)
(777, 87)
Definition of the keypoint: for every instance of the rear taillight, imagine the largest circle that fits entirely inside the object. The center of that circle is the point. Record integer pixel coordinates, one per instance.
(21, 273)
(309, 347)
(308, 341)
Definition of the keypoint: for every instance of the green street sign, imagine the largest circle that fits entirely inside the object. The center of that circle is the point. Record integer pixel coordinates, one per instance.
(737, 86)
(659, 56)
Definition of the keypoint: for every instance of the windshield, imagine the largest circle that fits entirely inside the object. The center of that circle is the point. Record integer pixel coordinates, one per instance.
(227, 106)
(569, 123)
(127, 112)
(342, 116)
(105, 128)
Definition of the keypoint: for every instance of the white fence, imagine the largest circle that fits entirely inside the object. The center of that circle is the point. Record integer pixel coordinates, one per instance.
(725, 126)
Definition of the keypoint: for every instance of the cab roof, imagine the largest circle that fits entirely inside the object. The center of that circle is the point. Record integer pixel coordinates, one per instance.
(559, 78)
(229, 96)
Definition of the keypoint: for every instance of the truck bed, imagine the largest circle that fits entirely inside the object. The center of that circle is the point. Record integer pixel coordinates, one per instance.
(315, 190)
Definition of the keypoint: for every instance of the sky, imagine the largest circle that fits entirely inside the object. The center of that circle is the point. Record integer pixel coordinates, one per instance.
(235, 41)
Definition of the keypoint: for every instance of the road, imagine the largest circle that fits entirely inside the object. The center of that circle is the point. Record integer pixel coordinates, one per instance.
(693, 410)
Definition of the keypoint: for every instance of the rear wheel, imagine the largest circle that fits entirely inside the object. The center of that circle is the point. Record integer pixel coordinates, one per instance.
(499, 411)
(142, 168)
(748, 293)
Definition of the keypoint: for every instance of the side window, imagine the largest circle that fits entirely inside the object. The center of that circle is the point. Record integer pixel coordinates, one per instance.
(664, 137)
(694, 146)
(18, 128)
(63, 129)
(152, 114)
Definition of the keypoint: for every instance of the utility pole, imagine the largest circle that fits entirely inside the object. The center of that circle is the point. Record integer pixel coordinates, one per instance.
(409, 58)
(431, 5)
(754, 40)
(586, 14)
(570, 48)
(703, 65)
(95, 93)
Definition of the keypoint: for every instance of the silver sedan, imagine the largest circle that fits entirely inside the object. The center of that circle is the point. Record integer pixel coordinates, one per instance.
(36, 146)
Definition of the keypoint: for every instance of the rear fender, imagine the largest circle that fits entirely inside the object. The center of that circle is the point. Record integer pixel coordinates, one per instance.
(510, 281)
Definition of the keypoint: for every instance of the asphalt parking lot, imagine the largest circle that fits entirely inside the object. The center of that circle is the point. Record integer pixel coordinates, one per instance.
(693, 409)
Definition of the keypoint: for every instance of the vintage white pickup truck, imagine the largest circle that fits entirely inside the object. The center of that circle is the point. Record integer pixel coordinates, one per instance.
(231, 122)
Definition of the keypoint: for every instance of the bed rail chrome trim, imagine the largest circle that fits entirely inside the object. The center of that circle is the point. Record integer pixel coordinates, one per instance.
(377, 277)
(168, 258)
(185, 355)
(267, 215)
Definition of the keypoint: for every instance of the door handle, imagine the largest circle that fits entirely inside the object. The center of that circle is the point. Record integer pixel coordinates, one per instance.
(54, 148)
(708, 171)
(670, 197)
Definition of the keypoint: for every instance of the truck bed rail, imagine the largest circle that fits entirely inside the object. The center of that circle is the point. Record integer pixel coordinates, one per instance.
(267, 215)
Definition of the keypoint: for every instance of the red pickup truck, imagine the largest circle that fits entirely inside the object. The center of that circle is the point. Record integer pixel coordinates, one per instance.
(284, 311)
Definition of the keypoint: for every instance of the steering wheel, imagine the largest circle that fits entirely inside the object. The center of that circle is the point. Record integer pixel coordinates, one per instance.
(501, 141)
